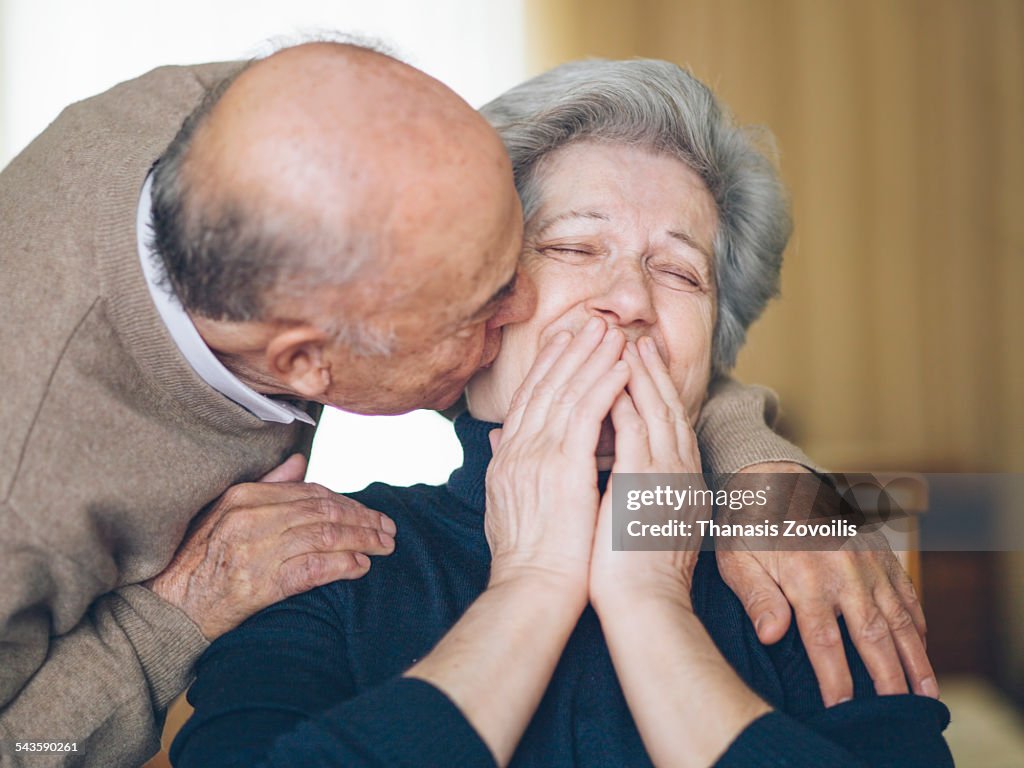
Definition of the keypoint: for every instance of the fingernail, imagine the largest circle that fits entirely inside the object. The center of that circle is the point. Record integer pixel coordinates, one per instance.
(594, 325)
(561, 337)
(930, 687)
(844, 700)
(762, 620)
(362, 559)
(388, 525)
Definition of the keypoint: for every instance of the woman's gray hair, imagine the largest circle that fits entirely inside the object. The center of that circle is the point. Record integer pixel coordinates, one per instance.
(658, 105)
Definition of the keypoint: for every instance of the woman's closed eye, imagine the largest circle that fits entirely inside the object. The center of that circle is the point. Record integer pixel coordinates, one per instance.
(570, 250)
(677, 276)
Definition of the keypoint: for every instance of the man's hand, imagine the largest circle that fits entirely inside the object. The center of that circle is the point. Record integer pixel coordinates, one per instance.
(867, 586)
(265, 541)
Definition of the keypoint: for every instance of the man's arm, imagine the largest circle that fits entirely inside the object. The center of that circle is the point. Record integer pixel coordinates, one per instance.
(735, 429)
(868, 586)
(103, 685)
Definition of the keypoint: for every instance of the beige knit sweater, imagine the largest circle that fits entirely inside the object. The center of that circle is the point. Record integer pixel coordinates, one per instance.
(111, 443)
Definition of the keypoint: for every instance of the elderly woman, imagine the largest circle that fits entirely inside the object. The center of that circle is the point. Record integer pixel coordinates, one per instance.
(505, 629)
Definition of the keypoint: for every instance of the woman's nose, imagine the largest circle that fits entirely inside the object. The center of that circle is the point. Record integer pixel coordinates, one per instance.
(625, 299)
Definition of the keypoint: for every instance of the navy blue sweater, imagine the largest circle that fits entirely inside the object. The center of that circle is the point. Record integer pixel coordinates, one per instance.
(316, 680)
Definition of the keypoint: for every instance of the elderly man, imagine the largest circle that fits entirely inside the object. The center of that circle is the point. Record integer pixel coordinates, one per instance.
(336, 227)
(329, 226)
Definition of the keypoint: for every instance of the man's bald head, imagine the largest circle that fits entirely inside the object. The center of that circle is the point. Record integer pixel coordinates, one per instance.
(312, 164)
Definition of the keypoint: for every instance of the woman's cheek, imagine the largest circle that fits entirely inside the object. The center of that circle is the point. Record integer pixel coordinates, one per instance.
(690, 364)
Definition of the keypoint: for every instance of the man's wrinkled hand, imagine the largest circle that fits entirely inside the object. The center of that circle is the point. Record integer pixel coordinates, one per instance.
(866, 585)
(262, 542)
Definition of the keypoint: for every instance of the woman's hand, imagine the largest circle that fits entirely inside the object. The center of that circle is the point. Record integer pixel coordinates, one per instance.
(652, 435)
(539, 521)
(542, 494)
(687, 702)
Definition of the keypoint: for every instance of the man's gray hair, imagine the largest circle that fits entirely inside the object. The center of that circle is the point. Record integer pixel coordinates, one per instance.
(660, 106)
(224, 261)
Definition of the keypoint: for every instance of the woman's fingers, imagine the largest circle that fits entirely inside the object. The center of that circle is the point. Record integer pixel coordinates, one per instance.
(582, 402)
(632, 447)
(583, 429)
(570, 377)
(542, 498)
(583, 345)
(663, 381)
(494, 436)
(570, 393)
(659, 371)
(548, 356)
(656, 413)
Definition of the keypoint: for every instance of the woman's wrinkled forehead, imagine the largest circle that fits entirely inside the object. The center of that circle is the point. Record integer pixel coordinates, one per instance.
(534, 182)
(592, 187)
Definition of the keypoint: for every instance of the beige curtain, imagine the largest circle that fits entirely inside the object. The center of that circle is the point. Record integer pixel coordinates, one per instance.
(899, 340)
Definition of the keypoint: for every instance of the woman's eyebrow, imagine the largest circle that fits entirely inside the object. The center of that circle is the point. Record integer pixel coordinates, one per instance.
(690, 240)
(546, 224)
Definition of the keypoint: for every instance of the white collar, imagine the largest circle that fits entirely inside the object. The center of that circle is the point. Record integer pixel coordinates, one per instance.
(187, 338)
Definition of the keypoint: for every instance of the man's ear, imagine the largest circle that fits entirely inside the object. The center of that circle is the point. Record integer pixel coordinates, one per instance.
(297, 357)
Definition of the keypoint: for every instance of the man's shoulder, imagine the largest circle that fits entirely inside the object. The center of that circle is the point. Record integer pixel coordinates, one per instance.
(206, 75)
(188, 80)
(167, 93)
(138, 116)
(105, 142)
